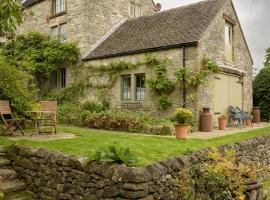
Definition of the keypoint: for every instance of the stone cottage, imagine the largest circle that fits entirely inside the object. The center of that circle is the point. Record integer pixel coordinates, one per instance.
(84, 22)
(184, 35)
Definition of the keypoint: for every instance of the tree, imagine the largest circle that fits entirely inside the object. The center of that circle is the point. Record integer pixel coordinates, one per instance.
(267, 62)
(261, 92)
(11, 14)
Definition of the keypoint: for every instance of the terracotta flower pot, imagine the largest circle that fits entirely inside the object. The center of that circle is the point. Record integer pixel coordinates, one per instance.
(248, 122)
(181, 131)
(222, 124)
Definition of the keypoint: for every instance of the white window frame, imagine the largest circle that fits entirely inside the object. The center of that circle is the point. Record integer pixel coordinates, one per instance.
(140, 91)
(229, 41)
(63, 32)
(60, 32)
(58, 6)
(135, 10)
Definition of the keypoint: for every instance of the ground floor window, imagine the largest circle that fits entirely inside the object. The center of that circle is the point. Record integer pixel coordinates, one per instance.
(126, 87)
(58, 79)
(140, 87)
(62, 77)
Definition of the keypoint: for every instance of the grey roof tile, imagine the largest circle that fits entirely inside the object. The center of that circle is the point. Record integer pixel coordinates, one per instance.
(164, 29)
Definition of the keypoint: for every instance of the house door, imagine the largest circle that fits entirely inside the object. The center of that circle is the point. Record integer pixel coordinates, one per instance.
(228, 90)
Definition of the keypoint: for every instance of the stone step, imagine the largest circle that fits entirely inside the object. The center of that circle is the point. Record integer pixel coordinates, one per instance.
(11, 186)
(3, 154)
(7, 174)
(3, 150)
(20, 196)
(4, 162)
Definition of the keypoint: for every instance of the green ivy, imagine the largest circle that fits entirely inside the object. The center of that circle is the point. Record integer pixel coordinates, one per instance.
(38, 55)
(160, 84)
(195, 79)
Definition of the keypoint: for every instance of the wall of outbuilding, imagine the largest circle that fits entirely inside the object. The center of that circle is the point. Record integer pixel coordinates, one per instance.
(212, 45)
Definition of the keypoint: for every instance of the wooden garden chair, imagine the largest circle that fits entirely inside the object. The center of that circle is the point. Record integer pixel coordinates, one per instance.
(10, 122)
(47, 117)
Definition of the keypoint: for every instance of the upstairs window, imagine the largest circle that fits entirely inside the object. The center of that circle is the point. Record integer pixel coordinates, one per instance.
(134, 10)
(229, 54)
(58, 6)
(59, 32)
(140, 87)
(126, 87)
(63, 32)
(54, 32)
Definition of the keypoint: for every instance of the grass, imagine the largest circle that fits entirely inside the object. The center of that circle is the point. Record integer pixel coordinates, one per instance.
(266, 185)
(149, 149)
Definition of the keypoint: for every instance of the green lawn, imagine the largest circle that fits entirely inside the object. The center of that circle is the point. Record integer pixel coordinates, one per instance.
(266, 185)
(148, 148)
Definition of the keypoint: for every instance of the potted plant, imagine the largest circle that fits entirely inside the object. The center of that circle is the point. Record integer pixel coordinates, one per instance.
(183, 118)
(222, 122)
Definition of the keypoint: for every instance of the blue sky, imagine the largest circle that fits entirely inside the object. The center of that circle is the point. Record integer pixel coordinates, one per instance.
(255, 19)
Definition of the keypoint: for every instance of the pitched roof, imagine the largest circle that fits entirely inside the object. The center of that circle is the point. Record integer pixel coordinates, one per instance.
(26, 3)
(164, 29)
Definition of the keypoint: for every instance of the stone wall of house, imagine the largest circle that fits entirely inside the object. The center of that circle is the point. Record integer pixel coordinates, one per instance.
(175, 56)
(102, 16)
(87, 21)
(212, 44)
(52, 175)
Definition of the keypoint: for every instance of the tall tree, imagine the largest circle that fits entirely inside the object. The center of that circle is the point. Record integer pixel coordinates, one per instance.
(267, 61)
(11, 15)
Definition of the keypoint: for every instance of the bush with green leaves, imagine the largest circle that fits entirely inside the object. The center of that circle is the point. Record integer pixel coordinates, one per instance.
(261, 92)
(39, 55)
(93, 105)
(16, 87)
(220, 178)
(116, 155)
(11, 15)
(183, 116)
(2, 196)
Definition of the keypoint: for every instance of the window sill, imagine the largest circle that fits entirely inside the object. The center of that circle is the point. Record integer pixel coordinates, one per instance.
(59, 14)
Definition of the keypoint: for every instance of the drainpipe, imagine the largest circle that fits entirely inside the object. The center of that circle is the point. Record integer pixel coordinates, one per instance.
(184, 77)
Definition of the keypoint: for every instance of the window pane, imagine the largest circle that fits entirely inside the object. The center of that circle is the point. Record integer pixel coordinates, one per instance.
(62, 77)
(140, 87)
(59, 6)
(63, 33)
(137, 10)
(126, 87)
(228, 36)
(53, 80)
(132, 9)
(54, 33)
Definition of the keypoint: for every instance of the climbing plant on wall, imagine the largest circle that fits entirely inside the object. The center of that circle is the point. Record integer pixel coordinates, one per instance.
(194, 79)
(38, 55)
(160, 84)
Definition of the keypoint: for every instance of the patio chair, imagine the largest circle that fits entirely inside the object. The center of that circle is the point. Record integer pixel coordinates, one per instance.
(236, 114)
(245, 114)
(9, 121)
(47, 117)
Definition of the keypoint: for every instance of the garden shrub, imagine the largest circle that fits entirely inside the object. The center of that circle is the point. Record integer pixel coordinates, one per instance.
(68, 113)
(261, 92)
(16, 87)
(93, 105)
(2, 196)
(116, 155)
(220, 178)
(86, 114)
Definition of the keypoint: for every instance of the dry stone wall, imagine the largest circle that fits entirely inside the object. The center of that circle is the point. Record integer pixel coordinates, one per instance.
(52, 175)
